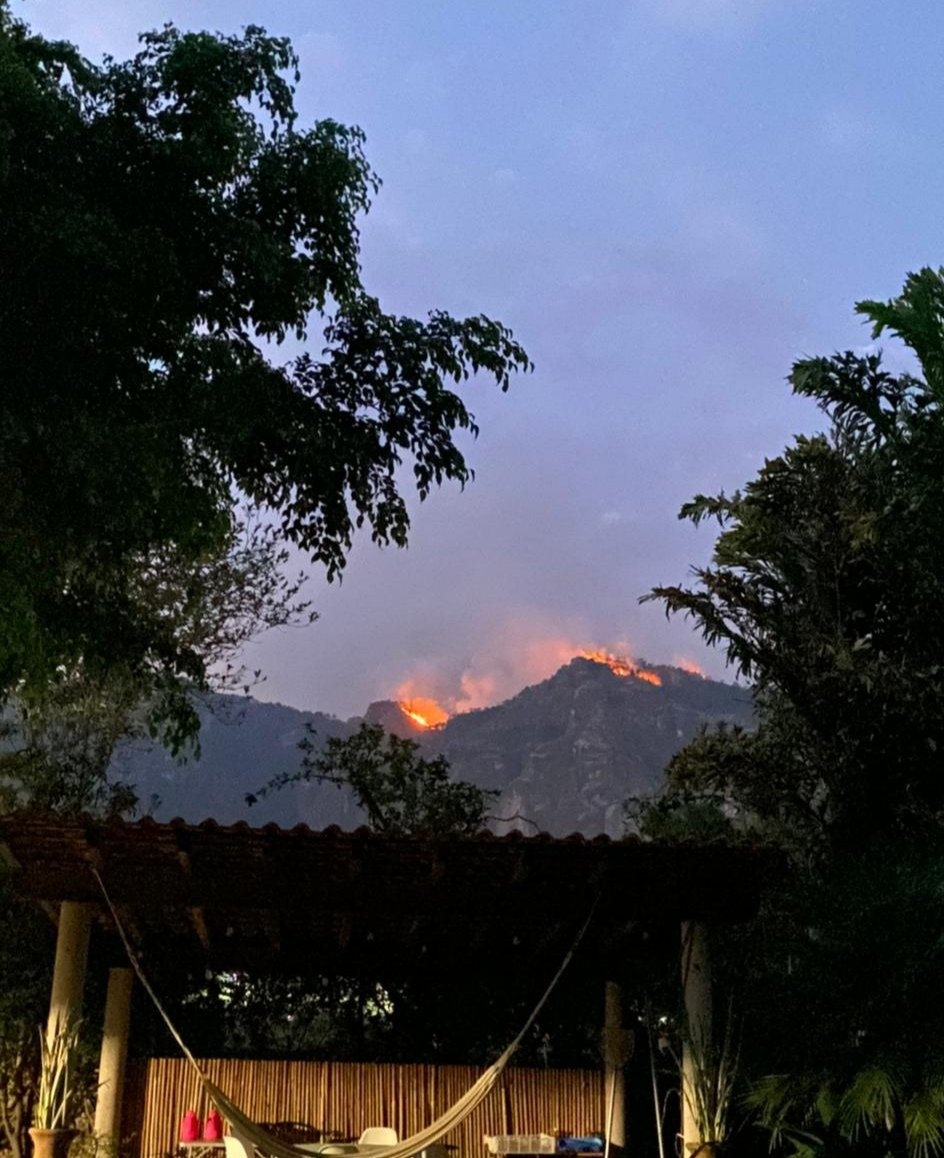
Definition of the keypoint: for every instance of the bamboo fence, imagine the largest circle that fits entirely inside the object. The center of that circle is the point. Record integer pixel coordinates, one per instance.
(345, 1097)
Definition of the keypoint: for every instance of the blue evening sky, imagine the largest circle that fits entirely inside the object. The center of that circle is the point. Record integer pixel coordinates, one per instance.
(669, 201)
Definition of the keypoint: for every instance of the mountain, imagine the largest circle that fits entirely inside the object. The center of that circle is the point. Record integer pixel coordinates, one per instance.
(565, 753)
(244, 743)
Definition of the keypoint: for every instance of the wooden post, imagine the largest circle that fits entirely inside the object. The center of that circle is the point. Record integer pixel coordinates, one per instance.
(111, 1066)
(696, 1043)
(615, 1052)
(68, 977)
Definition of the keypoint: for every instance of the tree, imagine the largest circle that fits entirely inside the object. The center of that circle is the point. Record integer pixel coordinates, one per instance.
(165, 223)
(60, 740)
(244, 1015)
(827, 591)
(400, 791)
(827, 583)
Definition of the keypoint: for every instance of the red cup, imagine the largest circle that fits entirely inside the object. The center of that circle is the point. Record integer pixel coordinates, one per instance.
(190, 1127)
(213, 1127)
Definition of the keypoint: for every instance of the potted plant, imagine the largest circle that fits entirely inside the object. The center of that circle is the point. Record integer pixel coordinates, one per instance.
(707, 1081)
(708, 1090)
(53, 1130)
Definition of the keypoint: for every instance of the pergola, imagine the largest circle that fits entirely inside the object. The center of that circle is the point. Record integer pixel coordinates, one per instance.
(362, 903)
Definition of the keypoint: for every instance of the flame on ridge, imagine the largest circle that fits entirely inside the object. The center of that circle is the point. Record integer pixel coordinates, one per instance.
(424, 712)
(431, 696)
(621, 666)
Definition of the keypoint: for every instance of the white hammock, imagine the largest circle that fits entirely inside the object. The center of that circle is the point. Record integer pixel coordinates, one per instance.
(267, 1144)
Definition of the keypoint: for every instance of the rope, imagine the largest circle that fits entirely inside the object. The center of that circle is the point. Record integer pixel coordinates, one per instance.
(136, 965)
(270, 1145)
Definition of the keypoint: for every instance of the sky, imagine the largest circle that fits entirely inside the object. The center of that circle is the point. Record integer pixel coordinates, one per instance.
(669, 201)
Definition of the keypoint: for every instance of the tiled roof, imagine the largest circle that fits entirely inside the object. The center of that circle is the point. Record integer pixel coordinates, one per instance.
(236, 897)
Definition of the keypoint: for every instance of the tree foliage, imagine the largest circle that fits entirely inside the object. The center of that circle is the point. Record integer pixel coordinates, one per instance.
(826, 590)
(238, 1015)
(165, 223)
(59, 741)
(400, 790)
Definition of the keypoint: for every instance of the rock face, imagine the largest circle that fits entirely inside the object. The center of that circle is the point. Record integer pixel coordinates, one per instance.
(243, 744)
(568, 752)
(565, 753)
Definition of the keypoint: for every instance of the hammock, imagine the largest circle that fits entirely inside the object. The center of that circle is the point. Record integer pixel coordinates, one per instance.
(266, 1143)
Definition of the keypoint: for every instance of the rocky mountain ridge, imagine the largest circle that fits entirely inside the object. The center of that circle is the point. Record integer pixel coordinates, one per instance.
(564, 753)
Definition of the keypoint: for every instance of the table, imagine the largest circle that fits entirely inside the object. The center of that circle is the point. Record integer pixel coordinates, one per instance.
(356, 1150)
(202, 1148)
(333, 1149)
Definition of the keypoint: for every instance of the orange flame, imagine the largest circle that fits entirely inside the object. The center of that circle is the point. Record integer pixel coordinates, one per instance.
(691, 667)
(425, 713)
(499, 673)
(621, 666)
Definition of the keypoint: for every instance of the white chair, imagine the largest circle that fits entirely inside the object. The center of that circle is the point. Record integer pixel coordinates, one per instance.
(236, 1146)
(376, 1136)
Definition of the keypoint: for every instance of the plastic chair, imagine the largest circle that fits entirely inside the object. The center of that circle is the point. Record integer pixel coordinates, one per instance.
(376, 1136)
(236, 1146)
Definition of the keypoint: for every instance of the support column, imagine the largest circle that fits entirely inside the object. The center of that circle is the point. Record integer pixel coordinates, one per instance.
(68, 977)
(615, 1054)
(111, 1066)
(696, 1043)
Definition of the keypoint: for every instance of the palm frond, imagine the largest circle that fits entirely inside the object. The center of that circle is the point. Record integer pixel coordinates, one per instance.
(872, 1099)
(924, 1122)
(54, 1093)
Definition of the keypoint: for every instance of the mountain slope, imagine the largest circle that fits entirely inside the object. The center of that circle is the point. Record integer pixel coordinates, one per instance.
(565, 753)
(244, 743)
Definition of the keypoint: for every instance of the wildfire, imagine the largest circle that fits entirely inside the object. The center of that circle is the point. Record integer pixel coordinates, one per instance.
(689, 665)
(430, 697)
(621, 666)
(425, 713)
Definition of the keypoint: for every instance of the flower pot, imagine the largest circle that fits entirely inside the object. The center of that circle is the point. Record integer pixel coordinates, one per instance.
(51, 1143)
